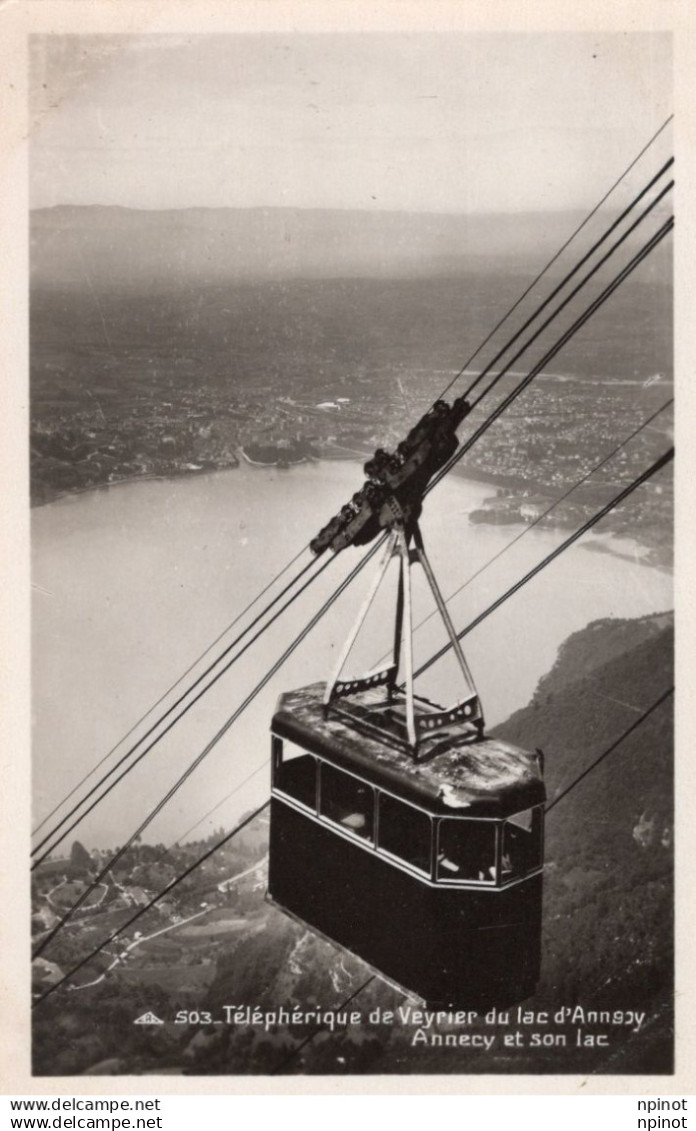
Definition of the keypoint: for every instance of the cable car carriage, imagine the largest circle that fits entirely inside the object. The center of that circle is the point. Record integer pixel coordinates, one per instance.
(399, 830)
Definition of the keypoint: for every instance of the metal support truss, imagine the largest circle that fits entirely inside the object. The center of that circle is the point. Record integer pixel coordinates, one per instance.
(406, 543)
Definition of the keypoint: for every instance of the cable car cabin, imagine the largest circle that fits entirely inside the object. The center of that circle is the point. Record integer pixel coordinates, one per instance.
(429, 870)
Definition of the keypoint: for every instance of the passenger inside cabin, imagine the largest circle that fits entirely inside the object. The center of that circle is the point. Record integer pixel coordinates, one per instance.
(467, 850)
(447, 864)
(354, 821)
(347, 801)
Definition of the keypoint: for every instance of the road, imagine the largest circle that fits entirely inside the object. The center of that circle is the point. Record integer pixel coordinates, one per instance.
(225, 884)
(137, 942)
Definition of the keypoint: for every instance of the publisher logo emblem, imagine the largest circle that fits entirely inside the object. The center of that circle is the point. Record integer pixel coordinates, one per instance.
(148, 1019)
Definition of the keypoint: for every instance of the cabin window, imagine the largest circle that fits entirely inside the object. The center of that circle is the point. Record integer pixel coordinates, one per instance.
(347, 801)
(522, 843)
(466, 850)
(404, 832)
(295, 773)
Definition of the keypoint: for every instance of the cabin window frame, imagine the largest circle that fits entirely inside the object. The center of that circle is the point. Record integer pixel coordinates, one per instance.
(370, 841)
(536, 810)
(427, 872)
(467, 881)
(277, 751)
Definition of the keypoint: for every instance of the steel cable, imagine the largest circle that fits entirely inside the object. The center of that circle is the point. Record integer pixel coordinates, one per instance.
(168, 692)
(160, 895)
(638, 258)
(599, 301)
(590, 310)
(168, 728)
(567, 542)
(544, 514)
(605, 754)
(203, 675)
(209, 747)
(557, 255)
(574, 270)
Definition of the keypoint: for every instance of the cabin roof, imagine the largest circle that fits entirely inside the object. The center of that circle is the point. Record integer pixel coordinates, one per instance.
(455, 776)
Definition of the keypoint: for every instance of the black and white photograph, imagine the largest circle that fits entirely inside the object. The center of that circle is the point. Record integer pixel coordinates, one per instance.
(350, 436)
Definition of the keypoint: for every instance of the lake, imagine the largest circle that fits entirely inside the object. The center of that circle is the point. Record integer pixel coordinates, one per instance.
(133, 582)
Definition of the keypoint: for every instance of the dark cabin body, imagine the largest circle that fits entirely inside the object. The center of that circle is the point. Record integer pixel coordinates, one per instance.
(429, 870)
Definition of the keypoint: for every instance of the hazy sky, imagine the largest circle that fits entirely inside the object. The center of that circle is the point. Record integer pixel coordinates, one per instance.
(425, 122)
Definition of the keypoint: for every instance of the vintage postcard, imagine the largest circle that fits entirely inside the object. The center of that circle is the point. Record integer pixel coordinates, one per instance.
(341, 714)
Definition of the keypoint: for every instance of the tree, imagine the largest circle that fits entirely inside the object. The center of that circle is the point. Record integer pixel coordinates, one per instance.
(80, 859)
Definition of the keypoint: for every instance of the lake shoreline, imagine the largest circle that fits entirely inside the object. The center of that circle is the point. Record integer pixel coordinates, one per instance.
(614, 547)
(128, 585)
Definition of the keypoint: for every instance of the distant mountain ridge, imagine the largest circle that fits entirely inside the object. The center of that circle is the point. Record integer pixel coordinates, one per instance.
(600, 643)
(604, 677)
(129, 248)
